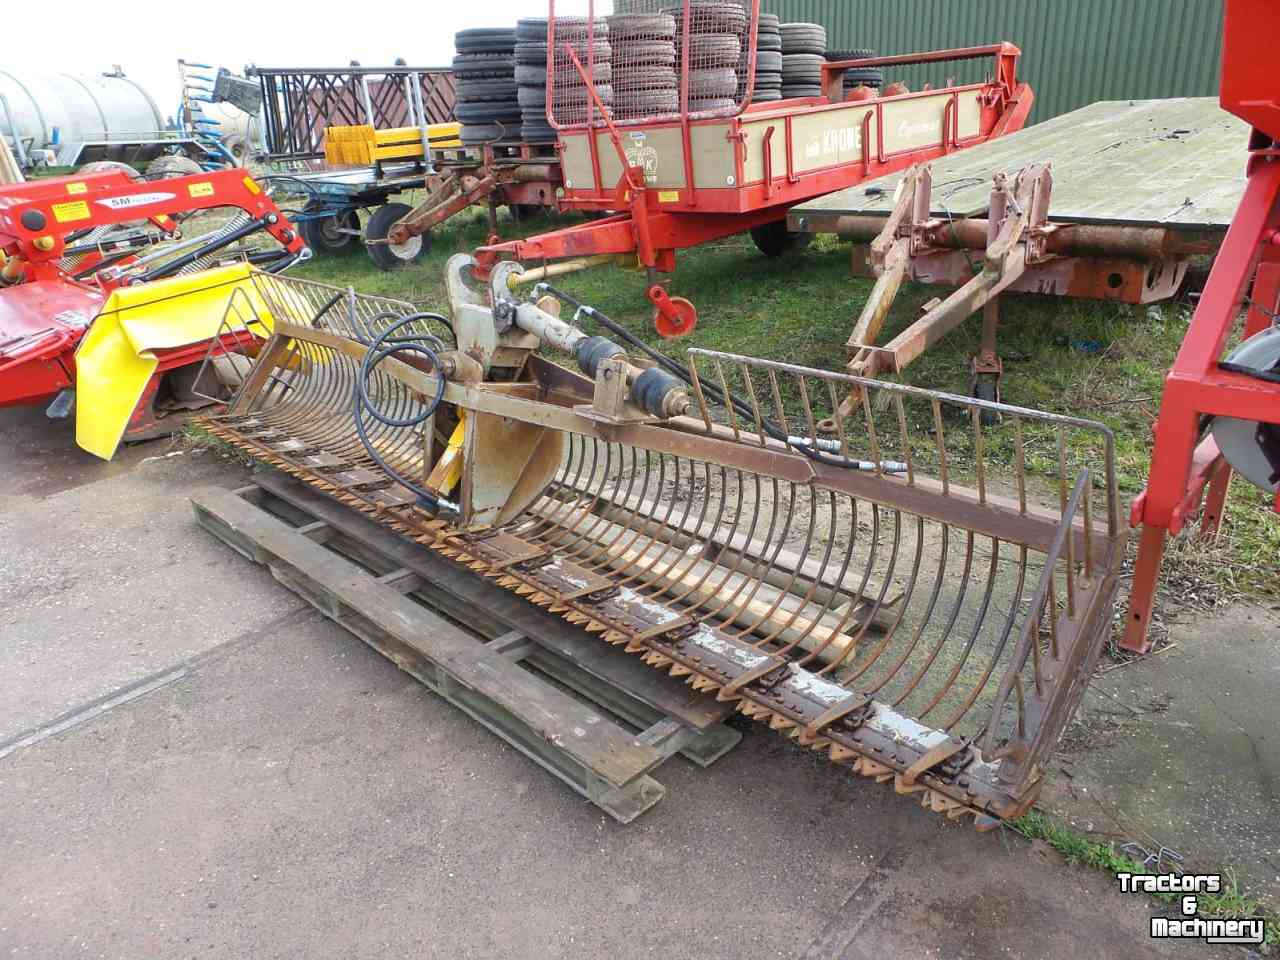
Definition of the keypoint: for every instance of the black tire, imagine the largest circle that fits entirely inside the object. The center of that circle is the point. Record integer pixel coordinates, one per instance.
(537, 133)
(769, 22)
(528, 75)
(864, 76)
(479, 91)
(987, 387)
(323, 235)
(804, 31)
(647, 103)
(712, 16)
(766, 96)
(644, 79)
(600, 73)
(110, 166)
(485, 40)
(710, 84)
(718, 104)
(710, 50)
(531, 54)
(661, 53)
(474, 134)
(532, 98)
(629, 26)
(768, 61)
(768, 81)
(384, 255)
(802, 63)
(524, 211)
(487, 112)
(573, 29)
(570, 103)
(483, 66)
(769, 42)
(172, 165)
(799, 92)
(855, 54)
(532, 30)
(775, 240)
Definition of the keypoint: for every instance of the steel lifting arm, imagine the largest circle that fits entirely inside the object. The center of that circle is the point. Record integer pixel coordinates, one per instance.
(39, 224)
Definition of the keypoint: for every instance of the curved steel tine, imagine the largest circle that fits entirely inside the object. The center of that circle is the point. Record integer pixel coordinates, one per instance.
(951, 621)
(999, 649)
(945, 688)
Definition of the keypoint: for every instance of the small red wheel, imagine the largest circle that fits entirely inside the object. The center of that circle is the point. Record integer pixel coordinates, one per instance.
(676, 318)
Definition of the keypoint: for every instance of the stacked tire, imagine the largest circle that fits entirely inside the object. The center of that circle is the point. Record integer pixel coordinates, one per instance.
(645, 78)
(485, 67)
(768, 62)
(716, 32)
(572, 100)
(804, 47)
(531, 80)
(872, 77)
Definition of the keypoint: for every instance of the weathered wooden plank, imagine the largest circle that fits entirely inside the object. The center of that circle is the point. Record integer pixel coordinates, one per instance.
(586, 736)
(1175, 163)
(489, 608)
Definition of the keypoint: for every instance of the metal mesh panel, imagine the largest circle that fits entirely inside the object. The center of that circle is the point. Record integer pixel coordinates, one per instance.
(298, 104)
(652, 60)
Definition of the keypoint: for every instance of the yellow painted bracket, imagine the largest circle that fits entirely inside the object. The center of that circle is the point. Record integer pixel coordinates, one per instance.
(447, 472)
(117, 357)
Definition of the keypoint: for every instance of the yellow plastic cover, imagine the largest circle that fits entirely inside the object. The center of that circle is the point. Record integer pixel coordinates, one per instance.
(116, 358)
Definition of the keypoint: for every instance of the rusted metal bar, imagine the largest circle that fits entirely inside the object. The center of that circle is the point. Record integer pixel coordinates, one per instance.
(1066, 239)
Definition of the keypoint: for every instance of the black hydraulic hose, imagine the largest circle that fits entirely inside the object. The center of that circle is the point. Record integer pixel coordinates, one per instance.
(381, 347)
(743, 408)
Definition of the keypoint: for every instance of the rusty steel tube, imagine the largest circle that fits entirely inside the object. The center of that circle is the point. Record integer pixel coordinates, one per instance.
(1076, 240)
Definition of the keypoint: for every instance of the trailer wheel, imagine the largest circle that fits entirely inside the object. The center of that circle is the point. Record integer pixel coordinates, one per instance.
(393, 256)
(775, 240)
(524, 211)
(987, 387)
(325, 234)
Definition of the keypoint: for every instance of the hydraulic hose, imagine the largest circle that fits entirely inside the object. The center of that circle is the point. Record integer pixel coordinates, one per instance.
(381, 347)
(801, 445)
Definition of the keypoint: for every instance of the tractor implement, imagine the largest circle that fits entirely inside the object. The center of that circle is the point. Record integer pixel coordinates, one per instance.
(917, 599)
(103, 300)
(705, 167)
(1220, 413)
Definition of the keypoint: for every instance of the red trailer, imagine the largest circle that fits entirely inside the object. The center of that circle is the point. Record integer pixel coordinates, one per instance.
(713, 167)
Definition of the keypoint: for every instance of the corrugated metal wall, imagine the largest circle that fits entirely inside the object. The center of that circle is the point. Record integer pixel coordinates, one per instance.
(1075, 52)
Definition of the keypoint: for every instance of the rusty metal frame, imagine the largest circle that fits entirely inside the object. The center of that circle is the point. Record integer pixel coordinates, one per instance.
(1022, 251)
(672, 540)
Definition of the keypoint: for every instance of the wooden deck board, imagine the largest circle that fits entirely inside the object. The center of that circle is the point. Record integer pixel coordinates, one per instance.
(1176, 163)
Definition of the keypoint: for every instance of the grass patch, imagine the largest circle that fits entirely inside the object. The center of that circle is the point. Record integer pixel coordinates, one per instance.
(1077, 848)
(1099, 361)
(196, 437)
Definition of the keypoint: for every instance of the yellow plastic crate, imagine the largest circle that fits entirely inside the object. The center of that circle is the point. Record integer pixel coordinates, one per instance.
(363, 145)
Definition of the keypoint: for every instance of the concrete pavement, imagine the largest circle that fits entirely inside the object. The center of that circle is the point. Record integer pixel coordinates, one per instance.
(266, 786)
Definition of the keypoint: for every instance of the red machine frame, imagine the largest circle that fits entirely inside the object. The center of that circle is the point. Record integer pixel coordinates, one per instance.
(36, 218)
(48, 310)
(1185, 469)
(656, 224)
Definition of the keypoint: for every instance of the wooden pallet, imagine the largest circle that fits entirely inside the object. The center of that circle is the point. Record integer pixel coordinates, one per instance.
(556, 693)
